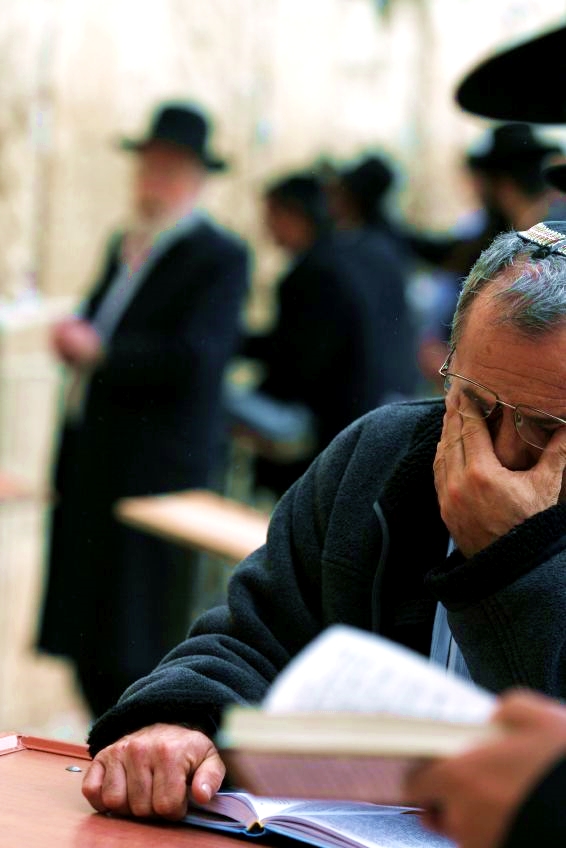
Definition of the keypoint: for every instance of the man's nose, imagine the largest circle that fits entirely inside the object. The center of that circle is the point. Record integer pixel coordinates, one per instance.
(510, 449)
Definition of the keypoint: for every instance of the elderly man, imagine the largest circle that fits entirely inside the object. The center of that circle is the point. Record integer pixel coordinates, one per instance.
(343, 341)
(510, 793)
(146, 355)
(431, 522)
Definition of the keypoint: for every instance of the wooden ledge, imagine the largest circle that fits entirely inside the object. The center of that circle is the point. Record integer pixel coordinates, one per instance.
(198, 519)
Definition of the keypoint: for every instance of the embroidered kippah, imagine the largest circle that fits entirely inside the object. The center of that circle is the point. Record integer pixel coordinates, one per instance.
(550, 240)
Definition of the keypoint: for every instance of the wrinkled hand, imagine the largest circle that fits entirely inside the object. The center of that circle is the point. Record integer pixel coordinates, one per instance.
(473, 797)
(151, 771)
(481, 500)
(77, 343)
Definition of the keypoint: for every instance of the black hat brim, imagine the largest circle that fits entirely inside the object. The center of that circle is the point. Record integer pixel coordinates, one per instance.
(512, 159)
(134, 145)
(522, 83)
(555, 176)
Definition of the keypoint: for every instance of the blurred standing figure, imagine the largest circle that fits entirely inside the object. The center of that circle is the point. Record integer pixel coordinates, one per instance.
(358, 196)
(146, 355)
(506, 166)
(358, 200)
(340, 344)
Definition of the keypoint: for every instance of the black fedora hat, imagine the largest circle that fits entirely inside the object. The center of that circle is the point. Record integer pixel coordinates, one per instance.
(523, 82)
(183, 125)
(304, 193)
(508, 147)
(368, 178)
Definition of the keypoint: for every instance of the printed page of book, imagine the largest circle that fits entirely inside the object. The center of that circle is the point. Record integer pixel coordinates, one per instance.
(328, 826)
(245, 809)
(349, 669)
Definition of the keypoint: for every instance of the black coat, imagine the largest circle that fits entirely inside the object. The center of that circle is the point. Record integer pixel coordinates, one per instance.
(116, 598)
(345, 545)
(343, 341)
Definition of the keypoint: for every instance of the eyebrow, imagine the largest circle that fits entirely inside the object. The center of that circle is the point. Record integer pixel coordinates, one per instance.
(472, 386)
(557, 419)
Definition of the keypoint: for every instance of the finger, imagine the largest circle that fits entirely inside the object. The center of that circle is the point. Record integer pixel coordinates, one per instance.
(520, 707)
(452, 397)
(169, 793)
(475, 435)
(92, 785)
(452, 424)
(451, 430)
(554, 454)
(549, 473)
(419, 784)
(112, 794)
(449, 453)
(135, 765)
(208, 778)
(432, 817)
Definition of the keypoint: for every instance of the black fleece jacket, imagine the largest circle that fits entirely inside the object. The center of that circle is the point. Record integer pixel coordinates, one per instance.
(359, 540)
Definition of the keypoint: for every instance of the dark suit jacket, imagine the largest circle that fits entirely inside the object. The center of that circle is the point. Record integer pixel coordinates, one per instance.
(150, 424)
(343, 341)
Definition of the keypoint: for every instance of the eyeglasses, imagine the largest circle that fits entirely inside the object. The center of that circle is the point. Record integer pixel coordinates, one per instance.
(534, 426)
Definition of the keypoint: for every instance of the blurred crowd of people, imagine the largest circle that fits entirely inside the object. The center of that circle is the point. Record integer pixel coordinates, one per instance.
(149, 408)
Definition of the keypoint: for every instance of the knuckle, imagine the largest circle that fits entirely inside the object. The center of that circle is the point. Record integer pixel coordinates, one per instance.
(111, 797)
(136, 748)
(168, 808)
(141, 807)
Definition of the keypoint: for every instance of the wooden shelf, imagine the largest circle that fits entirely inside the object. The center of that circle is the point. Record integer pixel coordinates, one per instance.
(198, 519)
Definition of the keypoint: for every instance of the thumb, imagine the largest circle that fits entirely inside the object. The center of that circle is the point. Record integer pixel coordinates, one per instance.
(521, 707)
(207, 778)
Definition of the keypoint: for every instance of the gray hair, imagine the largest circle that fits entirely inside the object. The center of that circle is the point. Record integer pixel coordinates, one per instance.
(532, 300)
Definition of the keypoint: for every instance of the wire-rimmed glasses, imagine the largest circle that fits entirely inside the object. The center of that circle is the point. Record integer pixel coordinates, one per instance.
(534, 426)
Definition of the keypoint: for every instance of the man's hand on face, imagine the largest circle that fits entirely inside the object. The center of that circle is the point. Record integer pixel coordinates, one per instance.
(480, 499)
(150, 772)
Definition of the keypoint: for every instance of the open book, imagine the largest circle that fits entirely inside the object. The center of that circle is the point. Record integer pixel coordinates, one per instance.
(346, 719)
(327, 824)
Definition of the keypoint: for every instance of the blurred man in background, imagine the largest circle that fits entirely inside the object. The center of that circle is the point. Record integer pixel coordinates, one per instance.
(146, 354)
(359, 194)
(506, 166)
(341, 342)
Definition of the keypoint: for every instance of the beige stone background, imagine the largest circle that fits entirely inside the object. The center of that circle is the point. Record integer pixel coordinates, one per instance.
(286, 82)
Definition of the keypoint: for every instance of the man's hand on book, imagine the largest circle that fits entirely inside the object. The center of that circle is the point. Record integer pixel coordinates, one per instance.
(147, 772)
(473, 797)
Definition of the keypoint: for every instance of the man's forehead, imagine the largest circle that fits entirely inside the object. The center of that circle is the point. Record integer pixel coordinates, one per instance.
(492, 340)
(490, 300)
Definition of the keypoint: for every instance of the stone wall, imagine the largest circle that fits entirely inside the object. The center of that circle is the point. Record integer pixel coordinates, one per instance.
(285, 80)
